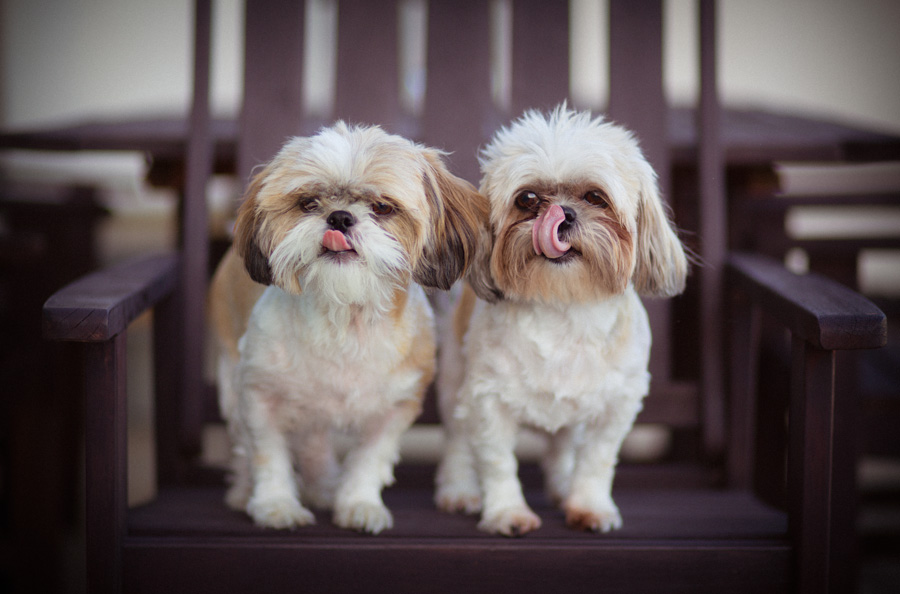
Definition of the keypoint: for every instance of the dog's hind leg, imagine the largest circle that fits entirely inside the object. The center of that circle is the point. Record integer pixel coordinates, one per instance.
(457, 481)
(319, 468)
(558, 464)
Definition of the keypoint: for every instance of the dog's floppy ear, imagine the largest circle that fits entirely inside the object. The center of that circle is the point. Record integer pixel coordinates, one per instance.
(661, 267)
(461, 239)
(246, 233)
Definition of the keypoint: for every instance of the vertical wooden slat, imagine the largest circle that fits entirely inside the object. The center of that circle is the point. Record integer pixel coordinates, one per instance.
(458, 115)
(844, 565)
(744, 332)
(636, 101)
(815, 518)
(168, 360)
(540, 54)
(636, 97)
(713, 225)
(273, 66)
(106, 463)
(367, 89)
(193, 272)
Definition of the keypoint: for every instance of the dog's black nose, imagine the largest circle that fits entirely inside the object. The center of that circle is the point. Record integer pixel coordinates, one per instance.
(570, 218)
(340, 220)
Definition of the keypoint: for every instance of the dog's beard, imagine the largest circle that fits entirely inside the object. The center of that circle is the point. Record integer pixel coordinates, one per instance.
(367, 279)
(599, 265)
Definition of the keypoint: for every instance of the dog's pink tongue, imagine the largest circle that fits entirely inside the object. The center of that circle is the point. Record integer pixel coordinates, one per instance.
(335, 241)
(545, 233)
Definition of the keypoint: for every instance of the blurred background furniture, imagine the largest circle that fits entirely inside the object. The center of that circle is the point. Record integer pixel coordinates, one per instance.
(458, 115)
(47, 239)
(873, 377)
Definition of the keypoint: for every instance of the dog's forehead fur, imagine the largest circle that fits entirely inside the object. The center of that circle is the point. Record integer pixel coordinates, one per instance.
(356, 159)
(567, 146)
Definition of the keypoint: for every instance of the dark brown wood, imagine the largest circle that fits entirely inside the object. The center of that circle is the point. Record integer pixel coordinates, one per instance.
(48, 239)
(438, 552)
(489, 568)
(760, 223)
(540, 45)
(194, 272)
(681, 514)
(782, 203)
(811, 466)
(164, 138)
(636, 100)
(367, 88)
(106, 463)
(459, 116)
(168, 359)
(672, 403)
(749, 137)
(743, 330)
(272, 110)
(813, 308)
(845, 459)
(713, 236)
(100, 305)
(757, 136)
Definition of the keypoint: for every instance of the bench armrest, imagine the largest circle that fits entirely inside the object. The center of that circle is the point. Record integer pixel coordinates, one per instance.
(820, 311)
(100, 305)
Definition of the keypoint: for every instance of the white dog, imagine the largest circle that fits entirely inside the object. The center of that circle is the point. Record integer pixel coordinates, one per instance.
(579, 232)
(340, 225)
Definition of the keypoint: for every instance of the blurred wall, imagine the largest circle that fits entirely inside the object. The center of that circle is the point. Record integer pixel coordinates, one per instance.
(69, 59)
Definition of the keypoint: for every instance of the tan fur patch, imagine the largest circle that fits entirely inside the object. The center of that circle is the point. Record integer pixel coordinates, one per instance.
(421, 355)
(463, 313)
(232, 296)
(461, 243)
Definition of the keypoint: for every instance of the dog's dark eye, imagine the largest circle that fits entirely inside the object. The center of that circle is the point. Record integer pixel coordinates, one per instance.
(527, 200)
(307, 203)
(382, 208)
(597, 198)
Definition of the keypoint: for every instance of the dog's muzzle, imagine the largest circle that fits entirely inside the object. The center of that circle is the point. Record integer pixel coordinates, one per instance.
(545, 233)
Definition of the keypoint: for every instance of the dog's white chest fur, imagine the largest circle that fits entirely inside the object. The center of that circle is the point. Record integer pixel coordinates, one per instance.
(320, 368)
(555, 365)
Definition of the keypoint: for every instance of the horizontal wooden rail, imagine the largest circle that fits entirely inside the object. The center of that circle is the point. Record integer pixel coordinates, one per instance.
(100, 305)
(820, 311)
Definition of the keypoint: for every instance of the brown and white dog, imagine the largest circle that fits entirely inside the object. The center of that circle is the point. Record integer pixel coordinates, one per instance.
(579, 233)
(340, 226)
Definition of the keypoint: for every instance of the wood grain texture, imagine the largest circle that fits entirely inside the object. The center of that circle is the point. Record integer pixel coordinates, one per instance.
(99, 306)
(827, 315)
(674, 539)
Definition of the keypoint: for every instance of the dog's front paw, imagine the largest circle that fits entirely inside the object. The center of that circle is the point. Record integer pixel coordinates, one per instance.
(364, 516)
(279, 512)
(594, 520)
(510, 521)
(453, 500)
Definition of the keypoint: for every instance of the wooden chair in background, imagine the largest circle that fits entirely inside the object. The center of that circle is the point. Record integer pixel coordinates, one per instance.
(693, 520)
(872, 378)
